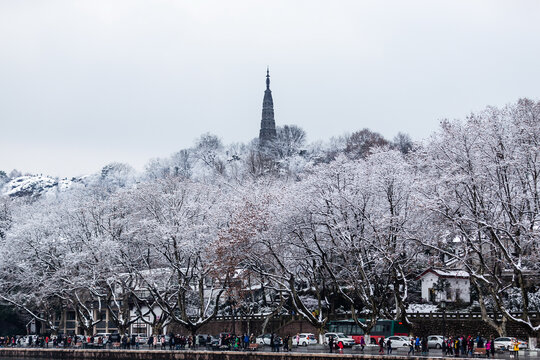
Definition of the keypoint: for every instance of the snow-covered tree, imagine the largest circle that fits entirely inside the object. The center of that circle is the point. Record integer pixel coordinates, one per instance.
(482, 186)
(178, 222)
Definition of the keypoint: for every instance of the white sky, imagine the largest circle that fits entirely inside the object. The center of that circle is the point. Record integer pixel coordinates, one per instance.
(85, 83)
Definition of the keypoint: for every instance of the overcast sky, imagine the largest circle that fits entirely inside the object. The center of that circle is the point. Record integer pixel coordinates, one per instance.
(86, 83)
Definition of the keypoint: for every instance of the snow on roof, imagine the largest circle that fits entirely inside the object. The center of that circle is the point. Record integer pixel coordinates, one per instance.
(422, 308)
(446, 273)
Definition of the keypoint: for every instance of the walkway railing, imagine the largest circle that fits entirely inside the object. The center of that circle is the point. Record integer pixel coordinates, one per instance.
(412, 315)
(464, 315)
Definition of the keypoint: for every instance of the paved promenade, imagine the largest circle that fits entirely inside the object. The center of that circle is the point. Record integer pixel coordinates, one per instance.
(313, 352)
(373, 351)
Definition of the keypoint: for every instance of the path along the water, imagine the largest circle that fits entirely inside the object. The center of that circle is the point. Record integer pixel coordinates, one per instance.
(314, 352)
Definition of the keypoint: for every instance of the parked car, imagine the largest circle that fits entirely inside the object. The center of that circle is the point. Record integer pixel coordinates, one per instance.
(104, 338)
(265, 339)
(142, 338)
(435, 341)
(507, 343)
(203, 339)
(398, 341)
(166, 337)
(347, 341)
(304, 339)
(26, 339)
(115, 337)
(80, 338)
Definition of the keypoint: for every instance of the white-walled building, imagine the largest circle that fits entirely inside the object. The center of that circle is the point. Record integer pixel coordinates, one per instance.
(445, 285)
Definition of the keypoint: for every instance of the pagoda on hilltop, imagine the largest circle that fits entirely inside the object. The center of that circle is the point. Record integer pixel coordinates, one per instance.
(268, 124)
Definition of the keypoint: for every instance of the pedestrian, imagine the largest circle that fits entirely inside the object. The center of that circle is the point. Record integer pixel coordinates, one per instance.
(340, 346)
(286, 343)
(363, 342)
(331, 343)
(272, 344)
(470, 346)
(425, 347)
(411, 347)
(289, 342)
(381, 346)
(515, 347)
(488, 348)
(480, 343)
(389, 346)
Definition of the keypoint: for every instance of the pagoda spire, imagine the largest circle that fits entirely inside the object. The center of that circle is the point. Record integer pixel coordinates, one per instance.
(268, 124)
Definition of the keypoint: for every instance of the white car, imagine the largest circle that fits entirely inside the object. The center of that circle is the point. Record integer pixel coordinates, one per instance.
(265, 339)
(104, 338)
(347, 341)
(507, 343)
(435, 341)
(26, 339)
(398, 341)
(142, 338)
(304, 339)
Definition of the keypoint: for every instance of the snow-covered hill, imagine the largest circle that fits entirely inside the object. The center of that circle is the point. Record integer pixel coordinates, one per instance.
(36, 185)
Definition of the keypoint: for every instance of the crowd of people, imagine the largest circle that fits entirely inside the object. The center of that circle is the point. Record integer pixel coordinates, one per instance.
(113, 340)
(458, 346)
(162, 342)
(39, 341)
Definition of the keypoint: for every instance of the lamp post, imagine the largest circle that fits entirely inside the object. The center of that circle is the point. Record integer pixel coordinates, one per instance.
(443, 307)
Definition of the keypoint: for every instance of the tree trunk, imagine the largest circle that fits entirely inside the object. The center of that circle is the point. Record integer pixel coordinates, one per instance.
(157, 329)
(320, 331)
(532, 341)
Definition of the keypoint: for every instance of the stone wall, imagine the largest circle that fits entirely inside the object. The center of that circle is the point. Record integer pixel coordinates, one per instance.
(282, 326)
(436, 326)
